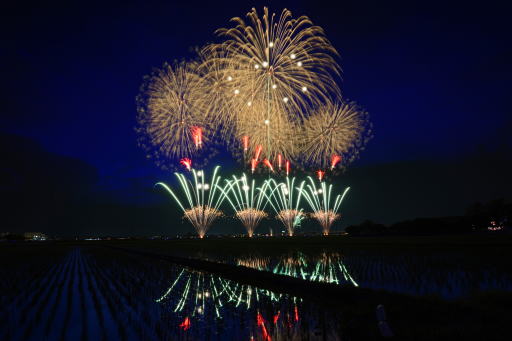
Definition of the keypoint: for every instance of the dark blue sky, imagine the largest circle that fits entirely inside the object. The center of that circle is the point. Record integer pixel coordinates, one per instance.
(435, 77)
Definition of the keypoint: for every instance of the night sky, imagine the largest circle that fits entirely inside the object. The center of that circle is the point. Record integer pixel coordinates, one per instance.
(435, 78)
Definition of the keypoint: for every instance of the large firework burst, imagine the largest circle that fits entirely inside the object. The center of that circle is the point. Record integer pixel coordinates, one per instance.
(171, 120)
(279, 67)
(334, 130)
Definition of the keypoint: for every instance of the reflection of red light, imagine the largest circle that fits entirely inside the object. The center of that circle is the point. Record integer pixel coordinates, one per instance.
(245, 141)
(186, 162)
(197, 135)
(296, 313)
(258, 152)
(320, 174)
(268, 164)
(261, 323)
(185, 325)
(279, 160)
(276, 317)
(287, 165)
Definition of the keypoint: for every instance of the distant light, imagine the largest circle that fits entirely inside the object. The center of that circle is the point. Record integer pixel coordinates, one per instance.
(292, 56)
(236, 91)
(274, 86)
(320, 190)
(245, 187)
(206, 294)
(206, 187)
(199, 186)
(230, 78)
(264, 64)
(304, 89)
(285, 99)
(256, 66)
(299, 63)
(249, 103)
(267, 122)
(271, 44)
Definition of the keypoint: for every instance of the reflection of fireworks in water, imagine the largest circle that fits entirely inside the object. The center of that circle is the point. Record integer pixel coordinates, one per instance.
(170, 117)
(328, 267)
(247, 201)
(325, 211)
(203, 199)
(285, 200)
(195, 297)
(334, 132)
(258, 263)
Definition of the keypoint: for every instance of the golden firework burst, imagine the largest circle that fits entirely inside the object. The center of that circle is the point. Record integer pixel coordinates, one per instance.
(275, 134)
(171, 122)
(277, 68)
(334, 129)
(281, 58)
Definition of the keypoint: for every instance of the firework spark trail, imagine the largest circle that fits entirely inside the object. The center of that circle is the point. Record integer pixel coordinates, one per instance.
(248, 201)
(186, 162)
(203, 199)
(285, 200)
(335, 159)
(325, 211)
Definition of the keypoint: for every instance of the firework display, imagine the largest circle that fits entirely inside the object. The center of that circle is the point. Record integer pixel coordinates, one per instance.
(285, 200)
(325, 211)
(327, 267)
(333, 134)
(268, 91)
(202, 199)
(271, 83)
(247, 201)
(171, 126)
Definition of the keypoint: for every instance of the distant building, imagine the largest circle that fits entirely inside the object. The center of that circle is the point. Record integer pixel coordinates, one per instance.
(35, 236)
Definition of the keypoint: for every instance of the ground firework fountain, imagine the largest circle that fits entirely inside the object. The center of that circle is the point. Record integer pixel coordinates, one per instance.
(248, 202)
(285, 200)
(325, 211)
(203, 199)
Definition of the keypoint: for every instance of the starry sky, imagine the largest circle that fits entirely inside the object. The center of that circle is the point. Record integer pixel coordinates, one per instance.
(434, 76)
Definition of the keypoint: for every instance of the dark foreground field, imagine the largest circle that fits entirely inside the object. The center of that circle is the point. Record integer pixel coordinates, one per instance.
(109, 290)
